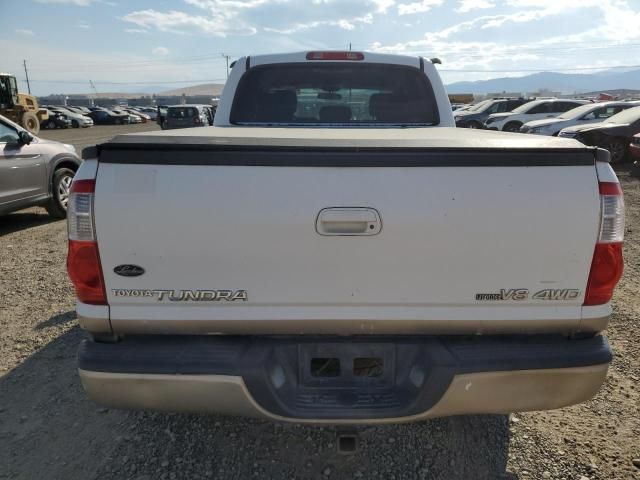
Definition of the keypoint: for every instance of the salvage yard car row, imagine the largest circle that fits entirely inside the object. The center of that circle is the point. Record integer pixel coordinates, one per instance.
(610, 125)
(76, 117)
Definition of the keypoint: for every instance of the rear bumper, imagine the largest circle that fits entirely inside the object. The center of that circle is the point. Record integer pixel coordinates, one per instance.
(272, 378)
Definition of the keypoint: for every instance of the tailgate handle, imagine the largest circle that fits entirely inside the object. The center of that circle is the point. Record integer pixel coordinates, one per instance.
(348, 221)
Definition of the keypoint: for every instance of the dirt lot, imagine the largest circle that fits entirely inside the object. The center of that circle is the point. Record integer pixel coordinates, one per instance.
(49, 430)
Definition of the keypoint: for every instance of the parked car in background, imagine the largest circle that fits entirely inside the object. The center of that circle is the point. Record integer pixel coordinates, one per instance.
(106, 117)
(55, 120)
(151, 112)
(143, 116)
(584, 114)
(34, 171)
(161, 118)
(634, 146)
(534, 110)
(464, 107)
(81, 110)
(186, 116)
(77, 119)
(133, 118)
(476, 115)
(615, 134)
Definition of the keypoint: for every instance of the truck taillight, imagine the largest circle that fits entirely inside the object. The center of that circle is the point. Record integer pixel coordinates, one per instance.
(83, 257)
(607, 263)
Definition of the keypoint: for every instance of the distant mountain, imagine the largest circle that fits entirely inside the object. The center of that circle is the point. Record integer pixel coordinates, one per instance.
(560, 82)
(213, 89)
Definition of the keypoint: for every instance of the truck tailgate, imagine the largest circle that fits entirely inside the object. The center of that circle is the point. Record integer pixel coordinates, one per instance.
(253, 239)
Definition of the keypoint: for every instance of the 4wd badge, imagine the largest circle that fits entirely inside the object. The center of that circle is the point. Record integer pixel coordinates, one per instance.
(517, 294)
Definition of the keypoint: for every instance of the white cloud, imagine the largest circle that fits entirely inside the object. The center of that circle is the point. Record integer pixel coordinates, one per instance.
(575, 47)
(77, 3)
(383, 5)
(136, 30)
(343, 23)
(227, 17)
(160, 51)
(468, 5)
(25, 32)
(231, 5)
(84, 25)
(181, 22)
(417, 7)
(223, 18)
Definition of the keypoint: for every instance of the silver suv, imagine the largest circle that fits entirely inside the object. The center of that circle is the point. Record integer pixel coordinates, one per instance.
(34, 171)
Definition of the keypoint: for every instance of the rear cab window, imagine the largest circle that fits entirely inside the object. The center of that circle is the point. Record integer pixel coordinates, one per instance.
(334, 94)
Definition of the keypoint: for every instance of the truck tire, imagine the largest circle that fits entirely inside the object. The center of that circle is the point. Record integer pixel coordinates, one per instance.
(30, 122)
(512, 127)
(60, 188)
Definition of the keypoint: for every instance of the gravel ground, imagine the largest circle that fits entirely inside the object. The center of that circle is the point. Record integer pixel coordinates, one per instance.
(49, 430)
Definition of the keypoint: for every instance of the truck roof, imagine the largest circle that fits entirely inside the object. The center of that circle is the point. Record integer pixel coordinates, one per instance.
(369, 57)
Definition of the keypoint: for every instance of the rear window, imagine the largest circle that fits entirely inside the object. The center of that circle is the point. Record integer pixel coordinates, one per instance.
(334, 93)
(183, 112)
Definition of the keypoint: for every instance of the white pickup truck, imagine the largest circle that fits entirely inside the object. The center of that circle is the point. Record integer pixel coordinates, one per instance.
(332, 251)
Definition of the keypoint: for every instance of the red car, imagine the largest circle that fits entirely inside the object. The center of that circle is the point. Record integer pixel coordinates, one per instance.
(634, 146)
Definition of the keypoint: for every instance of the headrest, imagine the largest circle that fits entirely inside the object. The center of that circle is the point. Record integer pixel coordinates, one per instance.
(277, 106)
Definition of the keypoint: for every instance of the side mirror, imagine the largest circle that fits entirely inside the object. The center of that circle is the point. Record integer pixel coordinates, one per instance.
(25, 137)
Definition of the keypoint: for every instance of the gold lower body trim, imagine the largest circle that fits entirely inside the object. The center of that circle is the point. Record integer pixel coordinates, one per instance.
(471, 393)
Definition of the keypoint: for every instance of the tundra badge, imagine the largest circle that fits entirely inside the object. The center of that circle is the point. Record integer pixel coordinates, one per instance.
(184, 295)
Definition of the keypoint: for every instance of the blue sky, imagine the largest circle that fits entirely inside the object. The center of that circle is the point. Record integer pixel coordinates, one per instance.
(136, 44)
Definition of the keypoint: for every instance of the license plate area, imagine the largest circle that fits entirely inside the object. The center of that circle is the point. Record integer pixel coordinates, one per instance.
(344, 366)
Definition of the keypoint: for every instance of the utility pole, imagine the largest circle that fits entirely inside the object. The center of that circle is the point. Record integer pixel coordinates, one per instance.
(24, 62)
(95, 91)
(226, 57)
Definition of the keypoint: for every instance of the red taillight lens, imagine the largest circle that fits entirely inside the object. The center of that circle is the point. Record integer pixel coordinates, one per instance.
(83, 258)
(85, 272)
(606, 270)
(83, 186)
(610, 188)
(335, 56)
(607, 264)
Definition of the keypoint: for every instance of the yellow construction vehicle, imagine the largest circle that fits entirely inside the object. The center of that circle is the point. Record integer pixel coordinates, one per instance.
(18, 107)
